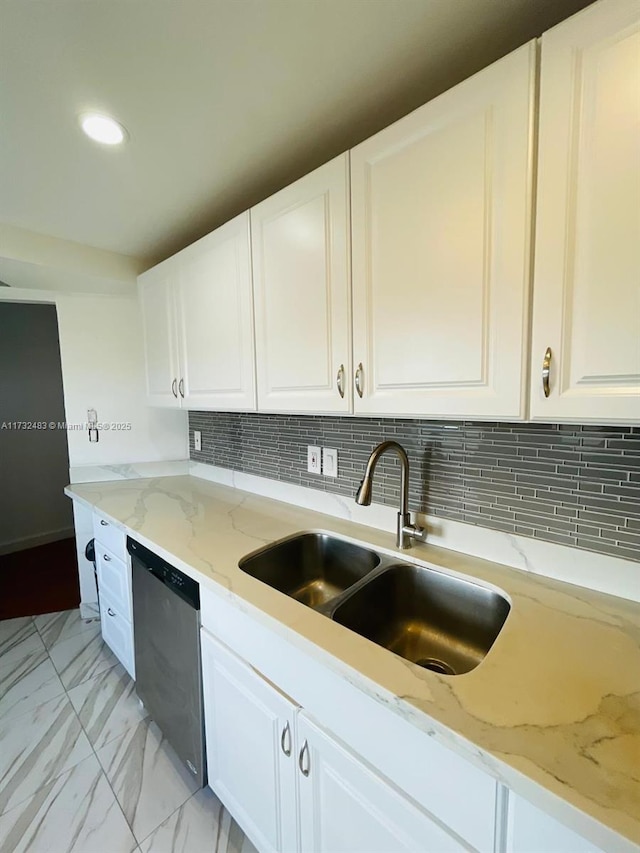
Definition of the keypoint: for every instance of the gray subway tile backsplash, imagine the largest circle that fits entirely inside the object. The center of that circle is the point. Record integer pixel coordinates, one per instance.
(574, 485)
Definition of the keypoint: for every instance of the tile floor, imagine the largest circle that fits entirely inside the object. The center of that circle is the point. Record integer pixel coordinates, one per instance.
(82, 768)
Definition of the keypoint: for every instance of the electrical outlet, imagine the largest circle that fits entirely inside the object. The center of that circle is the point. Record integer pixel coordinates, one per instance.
(313, 459)
(329, 462)
(197, 439)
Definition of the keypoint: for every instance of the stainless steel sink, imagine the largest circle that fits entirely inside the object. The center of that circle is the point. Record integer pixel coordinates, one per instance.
(313, 568)
(437, 621)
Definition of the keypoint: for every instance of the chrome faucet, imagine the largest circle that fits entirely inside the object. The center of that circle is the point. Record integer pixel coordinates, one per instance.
(406, 530)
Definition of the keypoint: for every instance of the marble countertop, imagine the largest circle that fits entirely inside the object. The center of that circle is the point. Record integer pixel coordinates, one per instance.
(553, 709)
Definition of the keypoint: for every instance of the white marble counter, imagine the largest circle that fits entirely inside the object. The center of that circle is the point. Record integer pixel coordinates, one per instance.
(553, 710)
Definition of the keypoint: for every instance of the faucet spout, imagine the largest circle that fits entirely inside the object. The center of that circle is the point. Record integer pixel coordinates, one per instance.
(405, 530)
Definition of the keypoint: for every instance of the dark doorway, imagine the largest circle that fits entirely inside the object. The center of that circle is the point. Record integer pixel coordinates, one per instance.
(38, 571)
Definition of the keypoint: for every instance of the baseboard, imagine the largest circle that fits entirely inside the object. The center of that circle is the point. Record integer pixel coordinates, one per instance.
(34, 541)
(89, 611)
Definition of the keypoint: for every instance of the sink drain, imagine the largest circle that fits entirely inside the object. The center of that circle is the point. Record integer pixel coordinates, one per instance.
(436, 665)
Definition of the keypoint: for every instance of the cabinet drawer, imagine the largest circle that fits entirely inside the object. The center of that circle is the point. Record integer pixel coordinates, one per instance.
(110, 536)
(114, 579)
(117, 632)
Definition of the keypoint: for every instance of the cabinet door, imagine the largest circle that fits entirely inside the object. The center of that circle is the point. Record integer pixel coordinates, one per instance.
(215, 320)
(156, 289)
(346, 808)
(530, 830)
(587, 265)
(250, 748)
(441, 230)
(300, 244)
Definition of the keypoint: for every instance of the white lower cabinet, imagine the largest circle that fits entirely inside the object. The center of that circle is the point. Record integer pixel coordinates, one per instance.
(114, 579)
(290, 784)
(530, 830)
(347, 808)
(250, 748)
(113, 569)
(109, 536)
(117, 633)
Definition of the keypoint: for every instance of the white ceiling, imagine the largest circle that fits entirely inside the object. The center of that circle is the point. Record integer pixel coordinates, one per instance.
(225, 101)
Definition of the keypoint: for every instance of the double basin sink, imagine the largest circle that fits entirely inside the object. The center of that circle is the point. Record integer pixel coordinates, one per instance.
(435, 620)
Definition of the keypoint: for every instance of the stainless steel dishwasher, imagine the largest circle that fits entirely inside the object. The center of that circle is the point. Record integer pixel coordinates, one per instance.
(166, 627)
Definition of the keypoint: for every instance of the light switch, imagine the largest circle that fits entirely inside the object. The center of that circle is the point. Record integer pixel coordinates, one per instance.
(92, 425)
(197, 439)
(329, 462)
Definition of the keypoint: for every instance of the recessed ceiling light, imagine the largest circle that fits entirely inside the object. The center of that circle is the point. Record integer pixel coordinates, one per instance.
(103, 129)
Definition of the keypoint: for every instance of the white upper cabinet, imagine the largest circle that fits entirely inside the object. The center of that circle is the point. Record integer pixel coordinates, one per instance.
(587, 263)
(198, 324)
(441, 224)
(215, 320)
(156, 289)
(300, 243)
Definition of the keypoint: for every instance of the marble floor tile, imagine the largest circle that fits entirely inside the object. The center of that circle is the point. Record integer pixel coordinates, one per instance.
(107, 705)
(10, 628)
(78, 659)
(18, 639)
(75, 813)
(202, 823)
(147, 778)
(55, 627)
(27, 683)
(38, 746)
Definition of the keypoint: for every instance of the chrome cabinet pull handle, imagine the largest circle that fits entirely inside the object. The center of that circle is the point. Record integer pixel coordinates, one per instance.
(302, 764)
(546, 370)
(359, 373)
(110, 612)
(340, 380)
(104, 523)
(106, 557)
(174, 388)
(286, 737)
(181, 388)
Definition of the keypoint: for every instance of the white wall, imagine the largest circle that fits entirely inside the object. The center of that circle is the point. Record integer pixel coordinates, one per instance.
(38, 261)
(103, 368)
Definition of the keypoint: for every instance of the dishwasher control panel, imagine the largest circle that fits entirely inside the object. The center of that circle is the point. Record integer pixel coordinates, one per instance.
(173, 578)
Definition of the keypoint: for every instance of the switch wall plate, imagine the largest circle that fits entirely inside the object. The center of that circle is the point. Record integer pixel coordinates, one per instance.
(329, 462)
(197, 439)
(313, 459)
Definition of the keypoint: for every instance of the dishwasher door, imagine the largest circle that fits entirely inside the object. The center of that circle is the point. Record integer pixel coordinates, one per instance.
(168, 668)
